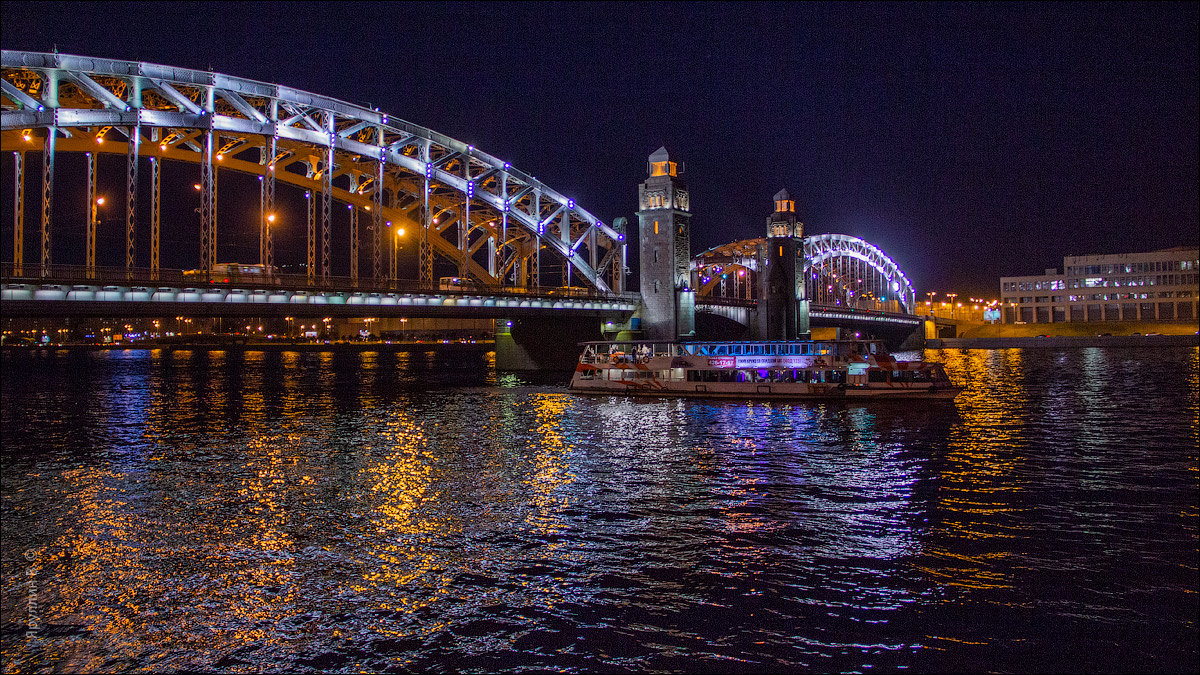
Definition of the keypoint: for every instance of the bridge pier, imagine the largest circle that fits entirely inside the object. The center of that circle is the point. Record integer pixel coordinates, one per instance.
(542, 344)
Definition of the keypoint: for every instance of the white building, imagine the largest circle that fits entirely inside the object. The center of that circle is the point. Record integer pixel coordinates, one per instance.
(1156, 286)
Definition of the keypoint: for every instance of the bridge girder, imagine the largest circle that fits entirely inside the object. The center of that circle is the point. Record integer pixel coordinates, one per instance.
(80, 96)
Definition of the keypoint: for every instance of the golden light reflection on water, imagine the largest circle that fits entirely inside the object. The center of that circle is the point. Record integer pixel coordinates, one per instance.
(549, 472)
(406, 513)
(979, 497)
(1192, 512)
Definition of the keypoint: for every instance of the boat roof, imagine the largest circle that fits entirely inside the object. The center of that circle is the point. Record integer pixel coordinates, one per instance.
(726, 342)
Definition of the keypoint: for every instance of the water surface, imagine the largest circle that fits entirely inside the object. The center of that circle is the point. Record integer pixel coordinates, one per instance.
(318, 511)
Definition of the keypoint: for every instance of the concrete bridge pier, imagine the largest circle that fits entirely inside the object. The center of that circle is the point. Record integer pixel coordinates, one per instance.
(543, 344)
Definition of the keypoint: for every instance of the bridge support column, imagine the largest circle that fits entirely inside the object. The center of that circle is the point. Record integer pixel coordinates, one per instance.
(266, 244)
(18, 213)
(131, 185)
(90, 214)
(47, 197)
(327, 196)
(155, 214)
(464, 225)
(353, 244)
(377, 221)
(311, 209)
(425, 249)
(208, 205)
(916, 340)
(542, 344)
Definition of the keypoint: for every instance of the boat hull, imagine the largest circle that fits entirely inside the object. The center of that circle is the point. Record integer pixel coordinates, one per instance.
(755, 391)
(851, 370)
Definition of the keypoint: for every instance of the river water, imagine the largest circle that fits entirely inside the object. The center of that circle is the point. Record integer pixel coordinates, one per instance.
(259, 512)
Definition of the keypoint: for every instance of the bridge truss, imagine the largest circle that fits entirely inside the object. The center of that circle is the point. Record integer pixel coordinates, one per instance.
(839, 271)
(495, 223)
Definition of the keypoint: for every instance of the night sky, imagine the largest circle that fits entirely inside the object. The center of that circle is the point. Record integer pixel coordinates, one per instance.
(967, 140)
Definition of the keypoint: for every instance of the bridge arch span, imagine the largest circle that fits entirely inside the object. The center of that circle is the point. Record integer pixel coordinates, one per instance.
(496, 221)
(827, 263)
(840, 270)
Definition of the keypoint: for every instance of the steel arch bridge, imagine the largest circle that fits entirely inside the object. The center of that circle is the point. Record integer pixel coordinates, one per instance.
(840, 271)
(496, 224)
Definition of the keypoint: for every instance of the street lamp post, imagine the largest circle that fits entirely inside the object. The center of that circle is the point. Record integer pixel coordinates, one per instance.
(96, 202)
(929, 302)
(395, 253)
(952, 296)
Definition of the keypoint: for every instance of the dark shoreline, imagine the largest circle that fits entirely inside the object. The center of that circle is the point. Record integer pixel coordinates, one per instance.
(479, 346)
(1064, 341)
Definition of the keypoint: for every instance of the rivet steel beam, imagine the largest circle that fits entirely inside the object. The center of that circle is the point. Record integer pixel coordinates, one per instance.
(89, 212)
(269, 217)
(311, 210)
(155, 214)
(353, 244)
(377, 220)
(18, 213)
(131, 186)
(327, 197)
(47, 197)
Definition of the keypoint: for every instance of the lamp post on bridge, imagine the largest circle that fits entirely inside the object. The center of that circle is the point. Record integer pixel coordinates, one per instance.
(93, 221)
(393, 274)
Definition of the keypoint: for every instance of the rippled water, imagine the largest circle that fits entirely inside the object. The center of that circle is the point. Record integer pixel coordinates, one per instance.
(280, 512)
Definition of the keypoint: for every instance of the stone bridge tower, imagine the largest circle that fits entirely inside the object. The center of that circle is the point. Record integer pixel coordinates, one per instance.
(664, 217)
(782, 306)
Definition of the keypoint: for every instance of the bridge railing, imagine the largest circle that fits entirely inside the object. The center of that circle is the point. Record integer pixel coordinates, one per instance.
(851, 311)
(120, 276)
(716, 300)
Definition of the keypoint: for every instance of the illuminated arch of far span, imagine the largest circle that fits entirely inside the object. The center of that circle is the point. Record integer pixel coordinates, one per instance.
(818, 250)
(823, 247)
(83, 98)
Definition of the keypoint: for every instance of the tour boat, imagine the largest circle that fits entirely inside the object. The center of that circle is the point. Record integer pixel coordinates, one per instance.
(806, 369)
